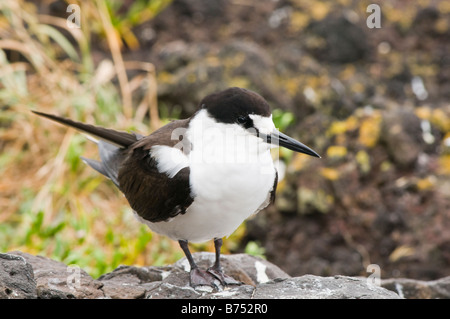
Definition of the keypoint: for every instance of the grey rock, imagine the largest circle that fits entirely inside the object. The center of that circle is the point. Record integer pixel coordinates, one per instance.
(55, 280)
(418, 289)
(164, 290)
(26, 276)
(344, 41)
(402, 134)
(173, 281)
(239, 292)
(129, 282)
(16, 278)
(261, 280)
(316, 287)
(124, 283)
(195, 73)
(248, 269)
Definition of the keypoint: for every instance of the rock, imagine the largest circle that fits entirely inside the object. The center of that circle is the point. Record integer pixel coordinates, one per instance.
(125, 282)
(425, 22)
(240, 292)
(190, 72)
(248, 269)
(402, 134)
(417, 289)
(16, 278)
(55, 280)
(308, 287)
(316, 287)
(131, 282)
(26, 276)
(172, 281)
(199, 10)
(342, 41)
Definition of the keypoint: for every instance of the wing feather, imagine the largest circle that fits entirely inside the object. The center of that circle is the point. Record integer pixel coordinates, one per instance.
(152, 193)
(126, 159)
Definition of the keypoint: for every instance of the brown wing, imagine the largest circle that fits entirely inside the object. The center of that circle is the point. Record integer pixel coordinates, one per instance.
(153, 195)
(126, 160)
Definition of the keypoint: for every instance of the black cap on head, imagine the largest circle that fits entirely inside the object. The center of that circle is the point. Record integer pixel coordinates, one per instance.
(233, 104)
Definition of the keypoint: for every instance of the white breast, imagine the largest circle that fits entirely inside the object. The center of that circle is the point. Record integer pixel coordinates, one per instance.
(231, 175)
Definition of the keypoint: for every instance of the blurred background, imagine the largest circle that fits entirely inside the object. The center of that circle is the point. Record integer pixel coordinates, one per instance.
(374, 102)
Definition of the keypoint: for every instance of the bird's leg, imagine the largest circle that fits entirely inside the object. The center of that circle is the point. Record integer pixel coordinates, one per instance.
(197, 276)
(216, 269)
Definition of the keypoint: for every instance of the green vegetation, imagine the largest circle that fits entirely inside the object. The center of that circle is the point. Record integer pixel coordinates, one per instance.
(52, 204)
(356, 95)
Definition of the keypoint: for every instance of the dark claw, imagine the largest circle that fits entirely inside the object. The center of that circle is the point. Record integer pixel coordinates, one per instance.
(199, 277)
(213, 275)
(225, 280)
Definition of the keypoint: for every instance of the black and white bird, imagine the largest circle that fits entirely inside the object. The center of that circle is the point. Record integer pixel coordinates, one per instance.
(197, 179)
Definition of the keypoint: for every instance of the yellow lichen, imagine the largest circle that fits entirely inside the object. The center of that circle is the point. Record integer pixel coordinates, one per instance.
(329, 173)
(298, 163)
(336, 151)
(363, 160)
(423, 112)
(166, 77)
(341, 127)
(444, 164)
(299, 20)
(440, 119)
(319, 10)
(426, 183)
(369, 131)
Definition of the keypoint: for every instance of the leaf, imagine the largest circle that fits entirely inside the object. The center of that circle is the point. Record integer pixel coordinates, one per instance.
(60, 39)
(74, 152)
(53, 230)
(401, 252)
(282, 119)
(363, 160)
(252, 248)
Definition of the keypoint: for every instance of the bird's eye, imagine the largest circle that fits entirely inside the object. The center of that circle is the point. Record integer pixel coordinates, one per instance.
(242, 119)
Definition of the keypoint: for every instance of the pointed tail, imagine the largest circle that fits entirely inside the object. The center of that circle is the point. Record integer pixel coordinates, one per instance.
(121, 139)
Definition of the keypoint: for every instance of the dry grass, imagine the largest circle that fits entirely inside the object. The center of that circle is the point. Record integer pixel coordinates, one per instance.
(51, 203)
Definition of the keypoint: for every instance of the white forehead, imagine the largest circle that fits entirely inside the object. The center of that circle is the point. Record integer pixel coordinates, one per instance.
(263, 123)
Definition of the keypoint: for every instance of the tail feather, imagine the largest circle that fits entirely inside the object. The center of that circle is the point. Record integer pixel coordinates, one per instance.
(97, 165)
(111, 145)
(111, 159)
(121, 139)
(102, 168)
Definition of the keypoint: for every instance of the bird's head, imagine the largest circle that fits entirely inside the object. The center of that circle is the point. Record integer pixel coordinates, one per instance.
(250, 111)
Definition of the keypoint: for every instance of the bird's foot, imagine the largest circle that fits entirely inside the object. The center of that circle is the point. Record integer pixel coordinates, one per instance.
(200, 277)
(225, 280)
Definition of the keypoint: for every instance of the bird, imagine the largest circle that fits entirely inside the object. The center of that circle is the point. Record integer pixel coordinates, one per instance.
(196, 179)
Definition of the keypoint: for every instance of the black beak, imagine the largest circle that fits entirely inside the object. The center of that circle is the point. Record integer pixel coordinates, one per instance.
(279, 139)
